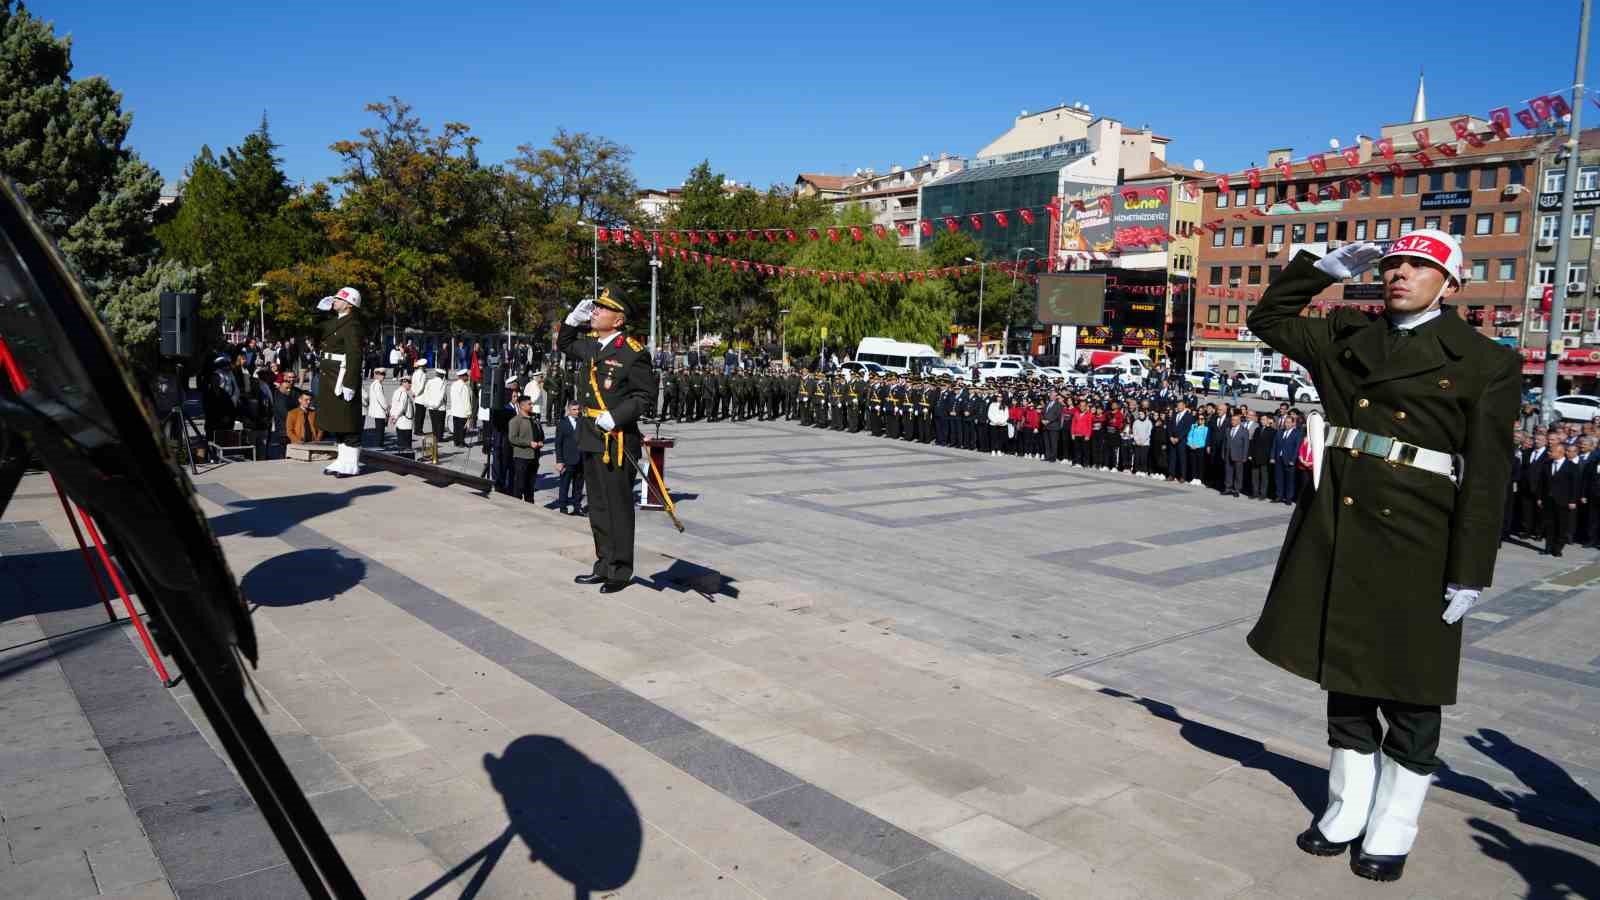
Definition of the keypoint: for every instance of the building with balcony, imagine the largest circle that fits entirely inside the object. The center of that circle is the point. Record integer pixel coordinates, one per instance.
(1580, 326)
(892, 197)
(1480, 194)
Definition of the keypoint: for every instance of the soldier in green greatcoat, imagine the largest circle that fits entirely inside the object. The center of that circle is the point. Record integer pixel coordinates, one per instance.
(1399, 535)
(339, 381)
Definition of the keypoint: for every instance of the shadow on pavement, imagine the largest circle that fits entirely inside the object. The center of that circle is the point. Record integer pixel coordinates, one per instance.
(1554, 801)
(272, 516)
(1550, 872)
(1308, 782)
(302, 576)
(683, 575)
(570, 812)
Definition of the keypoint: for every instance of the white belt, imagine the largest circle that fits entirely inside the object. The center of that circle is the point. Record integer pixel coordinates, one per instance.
(336, 357)
(1392, 451)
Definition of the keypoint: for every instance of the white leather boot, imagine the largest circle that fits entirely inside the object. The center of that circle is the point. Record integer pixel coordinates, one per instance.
(1392, 824)
(349, 461)
(1352, 779)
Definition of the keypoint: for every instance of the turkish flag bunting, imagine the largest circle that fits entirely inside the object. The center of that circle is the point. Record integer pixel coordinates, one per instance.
(1375, 178)
(822, 277)
(602, 234)
(1293, 201)
(861, 277)
(833, 234)
(1105, 205)
(1318, 164)
(1287, 168)
(1397, 170)
(732, 237)
(619, 236)
(711, 236)
(977, 222)
(1026, 214)
(1054, 206)
(1257, 213)
(1161, 195)
(927, 228)
(1541, 107)
(791, 237)
(855, 232)
(675, 237)
(880, 231)
(1527, 119)
(1077, 206)
(1446, 149)
(1500, 121)
(1385, 147)
(1001, 220)
(1352, 186)
(1423, 159)
(694, 255)
(917, 276)
(951, 224)
(904, 228)
(1558, 105)
(772, 236)
(1129, 197)
(1352, 156)
(1333, 190)
(1255, 177)
(1422, 138)
(1463, 131)
(1222, 184)
(638, 237)
(694, 237)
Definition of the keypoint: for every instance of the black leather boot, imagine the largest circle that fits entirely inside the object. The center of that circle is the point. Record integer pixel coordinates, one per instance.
(1377, 868)
(1313, 842)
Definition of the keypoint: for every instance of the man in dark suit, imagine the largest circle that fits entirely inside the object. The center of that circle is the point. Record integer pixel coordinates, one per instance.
(1561, 486)
(1236, 452)
(1285, 456)
(1533, 458)
(1508, 526)
(1261, 444)
(1051, 422)
(569, 462)
(1177, 446)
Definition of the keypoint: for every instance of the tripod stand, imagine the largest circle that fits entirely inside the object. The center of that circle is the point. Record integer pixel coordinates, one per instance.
(185, 425)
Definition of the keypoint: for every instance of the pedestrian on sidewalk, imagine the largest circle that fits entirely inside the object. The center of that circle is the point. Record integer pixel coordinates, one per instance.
(1399, 533)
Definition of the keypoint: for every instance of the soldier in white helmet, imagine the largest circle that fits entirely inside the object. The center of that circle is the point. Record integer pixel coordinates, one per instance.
(1393, 546)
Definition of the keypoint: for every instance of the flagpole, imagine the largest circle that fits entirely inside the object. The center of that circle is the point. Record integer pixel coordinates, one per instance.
(1558, 301)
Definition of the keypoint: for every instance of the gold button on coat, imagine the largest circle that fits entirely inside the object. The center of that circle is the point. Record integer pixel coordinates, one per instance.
(1400, 415)
(1354, 452)
(1386, 512)
(1363, 403)
(1349, 501)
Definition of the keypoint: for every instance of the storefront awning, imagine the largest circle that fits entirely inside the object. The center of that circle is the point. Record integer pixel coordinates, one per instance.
(1565, 370)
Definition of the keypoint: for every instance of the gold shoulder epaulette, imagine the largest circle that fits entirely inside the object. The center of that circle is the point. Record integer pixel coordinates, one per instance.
(634, 345)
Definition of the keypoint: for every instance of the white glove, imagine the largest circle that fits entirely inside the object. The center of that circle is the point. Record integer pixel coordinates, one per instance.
(1460, 600)
(1350, 260)
(347, 393)
(605, 422)
(581, 313)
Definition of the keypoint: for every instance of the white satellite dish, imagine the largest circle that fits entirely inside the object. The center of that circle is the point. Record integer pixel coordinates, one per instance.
(1200, 165)
(1334, 143)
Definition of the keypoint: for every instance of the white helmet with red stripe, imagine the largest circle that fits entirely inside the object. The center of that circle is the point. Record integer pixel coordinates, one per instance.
(1433, 245)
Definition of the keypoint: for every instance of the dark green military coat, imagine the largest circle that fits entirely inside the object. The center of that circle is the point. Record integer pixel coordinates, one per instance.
(617, 373)
(342, 345)
(1356, 600)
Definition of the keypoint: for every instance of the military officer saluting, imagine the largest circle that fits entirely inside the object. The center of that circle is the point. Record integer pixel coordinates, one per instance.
(340, 381)
(614, 386)
(1391, 549)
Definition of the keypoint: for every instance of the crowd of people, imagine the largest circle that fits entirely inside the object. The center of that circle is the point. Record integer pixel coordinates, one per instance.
(1152, 429)
(1554, 494)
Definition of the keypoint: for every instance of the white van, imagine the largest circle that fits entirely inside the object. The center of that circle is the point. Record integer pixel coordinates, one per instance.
(899, 358)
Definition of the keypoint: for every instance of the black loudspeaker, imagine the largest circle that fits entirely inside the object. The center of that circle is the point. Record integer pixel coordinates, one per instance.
(492, 390)
(180, 314)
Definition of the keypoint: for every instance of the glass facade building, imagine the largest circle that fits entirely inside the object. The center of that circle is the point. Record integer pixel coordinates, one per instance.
(1004, 187)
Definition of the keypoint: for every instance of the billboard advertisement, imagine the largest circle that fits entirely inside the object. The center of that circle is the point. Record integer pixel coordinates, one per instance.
(1140, 216)
(1071, 299)
(1086, 230)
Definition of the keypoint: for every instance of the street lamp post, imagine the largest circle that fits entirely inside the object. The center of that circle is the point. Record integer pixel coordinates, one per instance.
(596, 229)
(510, 301)
(261, 308)
(1011, 305)
(1554, 344)
(655, 269)
(981, 266)
(697, 327)
(783, 337)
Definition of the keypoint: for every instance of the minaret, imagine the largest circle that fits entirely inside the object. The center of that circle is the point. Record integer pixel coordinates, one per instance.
(1419, 111)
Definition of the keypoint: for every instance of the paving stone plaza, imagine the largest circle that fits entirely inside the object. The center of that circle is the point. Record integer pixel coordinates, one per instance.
(868, 668)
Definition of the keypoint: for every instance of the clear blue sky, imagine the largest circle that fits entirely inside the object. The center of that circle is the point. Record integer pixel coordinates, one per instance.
(769, 90)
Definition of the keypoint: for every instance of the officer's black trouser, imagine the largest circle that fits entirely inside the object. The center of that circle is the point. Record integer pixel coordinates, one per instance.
(1052, 444)
(1412, 739)
(611, 512)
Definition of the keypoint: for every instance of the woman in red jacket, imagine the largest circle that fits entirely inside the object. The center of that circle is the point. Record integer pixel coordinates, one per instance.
(1082, 428)
(1014, 417)
(1029, 444)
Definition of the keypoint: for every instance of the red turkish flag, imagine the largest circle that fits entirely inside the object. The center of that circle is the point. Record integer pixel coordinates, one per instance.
(602, 235)
(1161, 195)
(861, 277)
(1105, 205)
(1547, 299)
(1500, 120)
(1352, 186)
(855, 232)
(1422, 137)
(950, 224)
(927, 228)
(1558, 105)
(1129, 196)
(904, 228)
(1077, 206)
(1255, 177)
(1463, 131)
(1527, 120)
(977, 222)
(790, 236)
(772, 236)
(833, 234)
(1397, 170)
(694, 237)
(1541, 107)
(880, 231)
(1385, 147)
(1319, 165)
(1026, 214)
(917, 276)
(1001, 220)
(1375, 178)
(1222, 184)
(1423, 159)
(638, 237)
(731, 237)
(677, 238)
(1446, 149)
(1352, 156)
(711, 236)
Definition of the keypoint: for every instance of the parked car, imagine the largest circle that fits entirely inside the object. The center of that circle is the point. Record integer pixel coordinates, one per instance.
(1196, 377)
(859, 369)
(1577, 407)
(947, 370)
(1287, 386)
(990, 369)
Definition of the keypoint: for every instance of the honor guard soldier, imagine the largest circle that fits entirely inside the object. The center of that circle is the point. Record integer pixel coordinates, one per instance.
(615, 385)
(803, 399)
(696, 389)
(840, 402)
(339, 380)
(1399, 535)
